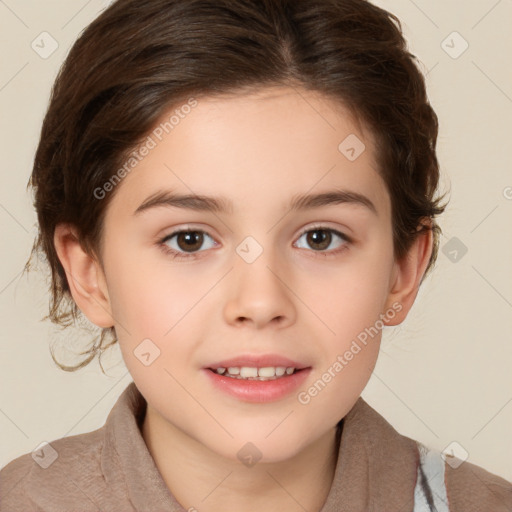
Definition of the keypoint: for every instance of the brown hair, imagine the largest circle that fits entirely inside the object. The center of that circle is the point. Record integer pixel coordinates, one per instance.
(137, 59)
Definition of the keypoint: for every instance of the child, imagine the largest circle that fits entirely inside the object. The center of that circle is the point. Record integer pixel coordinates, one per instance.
(238, 192)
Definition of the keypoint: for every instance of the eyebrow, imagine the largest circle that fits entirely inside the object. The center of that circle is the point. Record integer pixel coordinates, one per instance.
(167, 198)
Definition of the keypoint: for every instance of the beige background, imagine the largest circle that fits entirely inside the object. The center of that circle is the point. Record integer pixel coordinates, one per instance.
(442, 376)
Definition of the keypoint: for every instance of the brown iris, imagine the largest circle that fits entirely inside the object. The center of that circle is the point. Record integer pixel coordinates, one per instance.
(189, 240)
(323, 239)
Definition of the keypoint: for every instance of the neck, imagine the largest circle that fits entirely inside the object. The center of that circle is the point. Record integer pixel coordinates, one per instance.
(201, 479)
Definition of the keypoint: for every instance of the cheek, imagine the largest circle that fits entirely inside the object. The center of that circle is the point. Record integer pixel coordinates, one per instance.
(351, 331)
(156, 301)
(348, 302)
(351, 294)
(147, 293)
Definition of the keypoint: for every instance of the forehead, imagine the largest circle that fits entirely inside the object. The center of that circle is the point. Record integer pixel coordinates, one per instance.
(255, 146)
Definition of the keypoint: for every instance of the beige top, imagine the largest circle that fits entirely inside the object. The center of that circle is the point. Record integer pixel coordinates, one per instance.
(111, 470)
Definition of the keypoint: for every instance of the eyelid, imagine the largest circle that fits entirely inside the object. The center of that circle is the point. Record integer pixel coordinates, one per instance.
(346, 242)
(325, 226)
(317, 225)
(179, 255)
(186, 229)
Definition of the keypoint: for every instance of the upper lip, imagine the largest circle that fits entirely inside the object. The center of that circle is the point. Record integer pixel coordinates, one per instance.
(258, 361)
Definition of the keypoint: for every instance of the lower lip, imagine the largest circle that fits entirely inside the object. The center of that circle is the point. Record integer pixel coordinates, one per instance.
(259, 390)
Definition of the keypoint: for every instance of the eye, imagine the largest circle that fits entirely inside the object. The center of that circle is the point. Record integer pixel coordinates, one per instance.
(320, 238)
(184, 243)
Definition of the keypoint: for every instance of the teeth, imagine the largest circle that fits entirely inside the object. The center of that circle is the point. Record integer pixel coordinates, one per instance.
(269, 371)
(248, 372)
(251, 373)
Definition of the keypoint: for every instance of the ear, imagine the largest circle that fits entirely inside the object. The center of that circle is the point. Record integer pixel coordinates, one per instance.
(407, 276)
(85, 276)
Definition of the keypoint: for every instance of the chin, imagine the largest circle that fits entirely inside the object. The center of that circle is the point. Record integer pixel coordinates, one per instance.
(250, 445)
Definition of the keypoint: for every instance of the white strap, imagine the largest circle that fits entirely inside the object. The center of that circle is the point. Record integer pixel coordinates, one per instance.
(432, 466)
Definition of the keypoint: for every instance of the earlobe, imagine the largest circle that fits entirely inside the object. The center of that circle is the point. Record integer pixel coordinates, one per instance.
(407, 275)
(84, 275)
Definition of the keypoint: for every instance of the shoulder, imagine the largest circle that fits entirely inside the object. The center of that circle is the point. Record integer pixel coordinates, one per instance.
(105, 469)
(447, 484)
(435, 481)
(53, 476)
(471, 488)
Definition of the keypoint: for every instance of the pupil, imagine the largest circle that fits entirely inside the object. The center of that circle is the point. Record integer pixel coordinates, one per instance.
(324, 236)
(193, 240)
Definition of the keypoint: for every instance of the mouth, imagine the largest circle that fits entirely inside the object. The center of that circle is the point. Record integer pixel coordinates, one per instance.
(256, 373)
(260, 367)
(258, 379)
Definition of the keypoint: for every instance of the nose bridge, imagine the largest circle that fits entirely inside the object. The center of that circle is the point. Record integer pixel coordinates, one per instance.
(258, 261)
(257, 291)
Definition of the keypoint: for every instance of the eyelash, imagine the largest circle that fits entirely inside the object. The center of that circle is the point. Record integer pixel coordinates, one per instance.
(190, 256)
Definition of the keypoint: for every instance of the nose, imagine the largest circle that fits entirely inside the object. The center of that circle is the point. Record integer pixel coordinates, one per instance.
(259, 293)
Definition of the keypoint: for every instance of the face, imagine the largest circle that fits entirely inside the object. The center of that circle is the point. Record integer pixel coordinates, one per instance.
(253, 277)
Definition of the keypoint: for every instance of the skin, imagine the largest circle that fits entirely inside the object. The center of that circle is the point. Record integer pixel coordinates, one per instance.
(258, 150)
